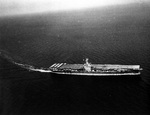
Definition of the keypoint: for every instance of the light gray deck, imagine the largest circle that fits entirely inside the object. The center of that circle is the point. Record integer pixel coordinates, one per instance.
(98, 66)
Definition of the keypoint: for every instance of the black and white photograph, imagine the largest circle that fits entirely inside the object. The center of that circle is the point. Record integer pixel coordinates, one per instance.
(74, 57)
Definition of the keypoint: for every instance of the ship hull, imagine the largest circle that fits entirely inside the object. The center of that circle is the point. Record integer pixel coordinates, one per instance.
(95, 69)
(98, 74)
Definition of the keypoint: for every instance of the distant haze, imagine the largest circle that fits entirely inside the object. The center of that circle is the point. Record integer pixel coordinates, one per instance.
(17, 7)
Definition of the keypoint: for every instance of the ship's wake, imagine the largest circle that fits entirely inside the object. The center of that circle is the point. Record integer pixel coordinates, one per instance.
(32, 68)
(10, 58)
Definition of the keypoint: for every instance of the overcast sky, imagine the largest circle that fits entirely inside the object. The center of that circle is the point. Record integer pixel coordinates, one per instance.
(13, 7)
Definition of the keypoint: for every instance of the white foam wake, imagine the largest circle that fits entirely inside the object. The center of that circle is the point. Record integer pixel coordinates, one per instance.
(32, 68)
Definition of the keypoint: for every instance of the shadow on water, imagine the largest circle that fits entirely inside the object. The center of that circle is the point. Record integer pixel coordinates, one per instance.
(27, 92)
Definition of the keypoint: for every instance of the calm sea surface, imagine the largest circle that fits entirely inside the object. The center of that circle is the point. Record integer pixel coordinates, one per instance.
(117, 35)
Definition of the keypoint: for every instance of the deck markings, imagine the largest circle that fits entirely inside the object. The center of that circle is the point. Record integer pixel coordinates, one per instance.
(53, 65)
(56, 65)
(60, 64)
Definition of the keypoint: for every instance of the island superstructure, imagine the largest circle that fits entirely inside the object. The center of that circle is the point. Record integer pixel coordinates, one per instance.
(89, 69)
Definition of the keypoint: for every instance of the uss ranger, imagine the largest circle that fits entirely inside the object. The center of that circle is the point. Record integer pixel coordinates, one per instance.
(89, 69)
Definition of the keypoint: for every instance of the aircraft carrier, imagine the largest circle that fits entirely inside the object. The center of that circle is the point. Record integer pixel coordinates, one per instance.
(89, 69)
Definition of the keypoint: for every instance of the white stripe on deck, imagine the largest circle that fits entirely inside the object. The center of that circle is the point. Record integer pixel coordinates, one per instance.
(57, 65)
(53, 65)
(60, 65)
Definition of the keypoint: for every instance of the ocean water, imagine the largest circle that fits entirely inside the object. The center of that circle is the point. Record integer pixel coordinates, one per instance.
(114, 35)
